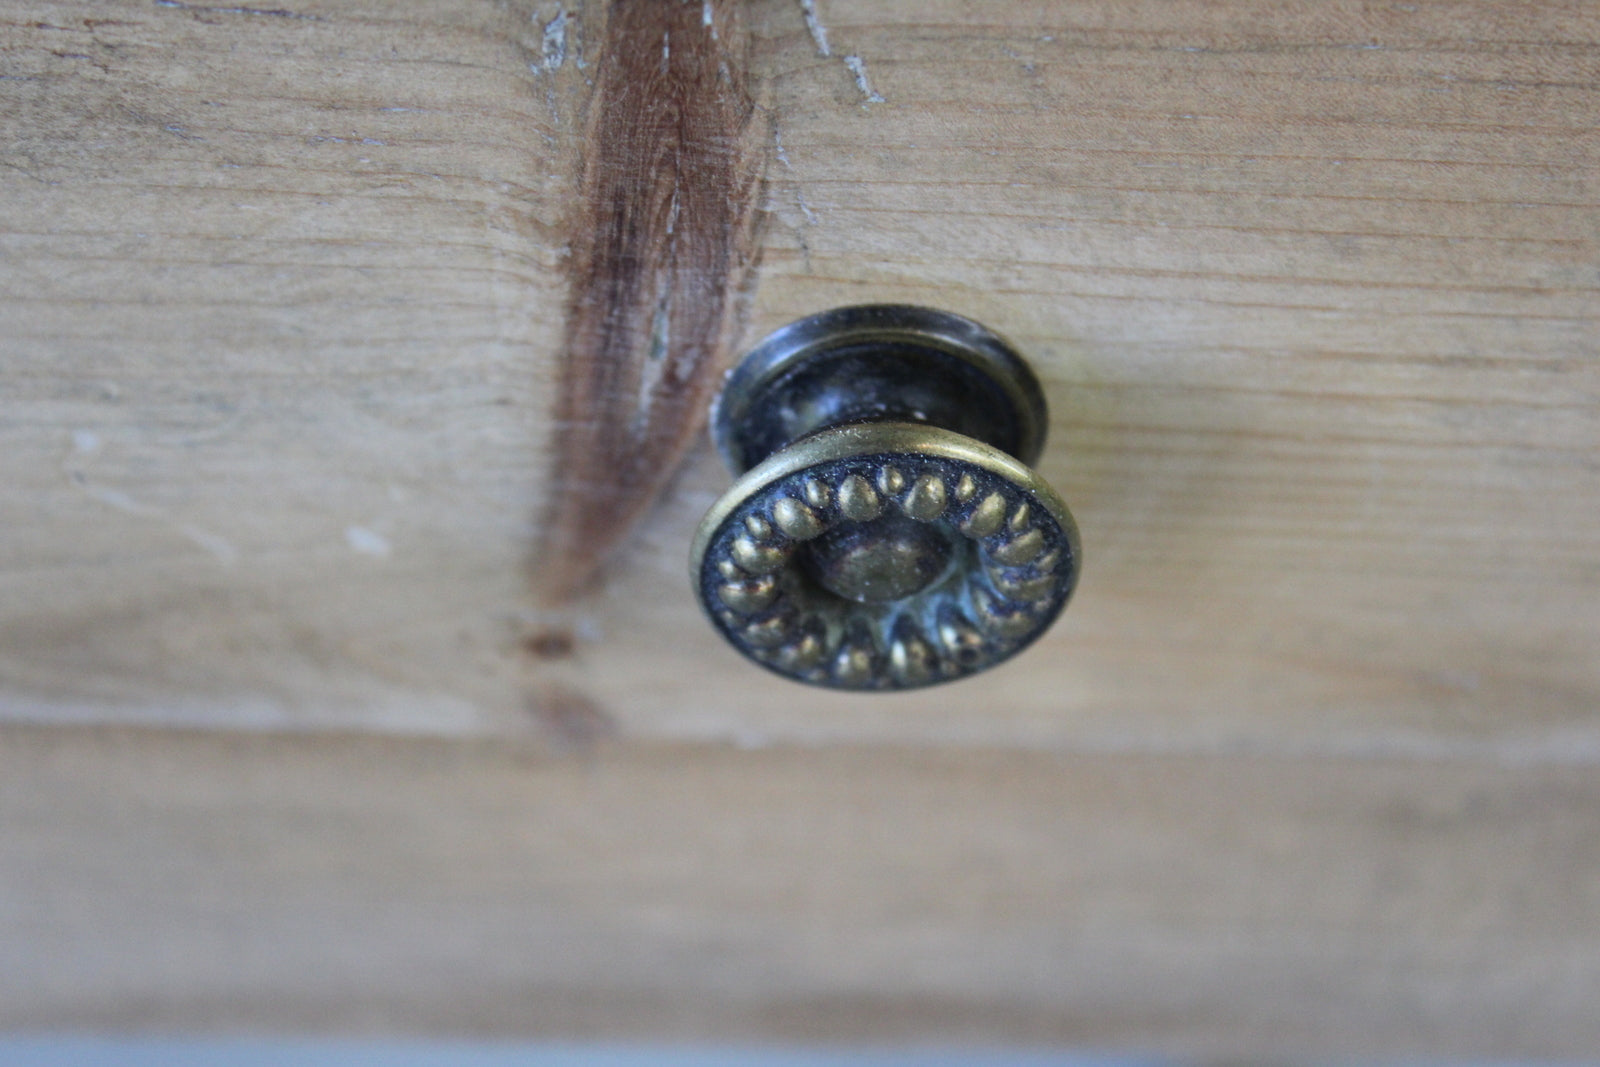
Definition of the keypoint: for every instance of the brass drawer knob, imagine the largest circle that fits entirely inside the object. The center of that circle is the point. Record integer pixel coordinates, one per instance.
(886, 531)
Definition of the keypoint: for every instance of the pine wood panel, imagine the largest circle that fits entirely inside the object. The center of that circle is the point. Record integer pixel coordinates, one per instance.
(288, 313)
(1312, 289)
(1210, 907)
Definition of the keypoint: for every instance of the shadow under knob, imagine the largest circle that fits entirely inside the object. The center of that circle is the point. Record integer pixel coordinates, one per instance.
(886, 532)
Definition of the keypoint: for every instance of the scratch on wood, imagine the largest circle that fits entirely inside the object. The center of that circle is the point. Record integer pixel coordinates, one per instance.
(806, 213)
(819, 32)
(553, 43)
(219, 546)
(854, 64)
(662, 250)
(858, 68)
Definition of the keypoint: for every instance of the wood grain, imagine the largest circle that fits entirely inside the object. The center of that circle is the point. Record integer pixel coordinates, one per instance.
(1311, 287)
(289, 294)
(1206, 907)
(662, 247)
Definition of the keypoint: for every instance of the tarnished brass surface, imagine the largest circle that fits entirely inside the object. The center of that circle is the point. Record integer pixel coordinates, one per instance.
(886, 531)
(879, 363)
(885, 556)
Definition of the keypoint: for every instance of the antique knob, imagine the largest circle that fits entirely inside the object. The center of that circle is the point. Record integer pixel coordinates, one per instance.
(886, 531)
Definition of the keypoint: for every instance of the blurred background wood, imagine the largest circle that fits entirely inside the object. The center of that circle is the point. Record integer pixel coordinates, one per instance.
(1202, 906)
(1312, 287)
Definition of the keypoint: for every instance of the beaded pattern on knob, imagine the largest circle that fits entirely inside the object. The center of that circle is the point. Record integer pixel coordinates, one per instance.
(1013, 570)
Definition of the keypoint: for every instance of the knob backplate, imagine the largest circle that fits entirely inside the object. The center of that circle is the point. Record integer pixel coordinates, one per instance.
(877, 363)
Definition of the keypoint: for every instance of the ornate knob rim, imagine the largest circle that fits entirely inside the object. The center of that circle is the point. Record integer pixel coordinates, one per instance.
(1015, 557)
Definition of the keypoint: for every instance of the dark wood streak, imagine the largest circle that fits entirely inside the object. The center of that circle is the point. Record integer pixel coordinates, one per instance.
(662, 249)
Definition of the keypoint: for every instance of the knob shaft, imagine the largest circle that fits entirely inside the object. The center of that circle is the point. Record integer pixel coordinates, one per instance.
(886, 532)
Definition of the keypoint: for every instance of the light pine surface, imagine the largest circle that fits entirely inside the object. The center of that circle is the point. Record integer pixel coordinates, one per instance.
(1308, 766)
(1209, 907)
